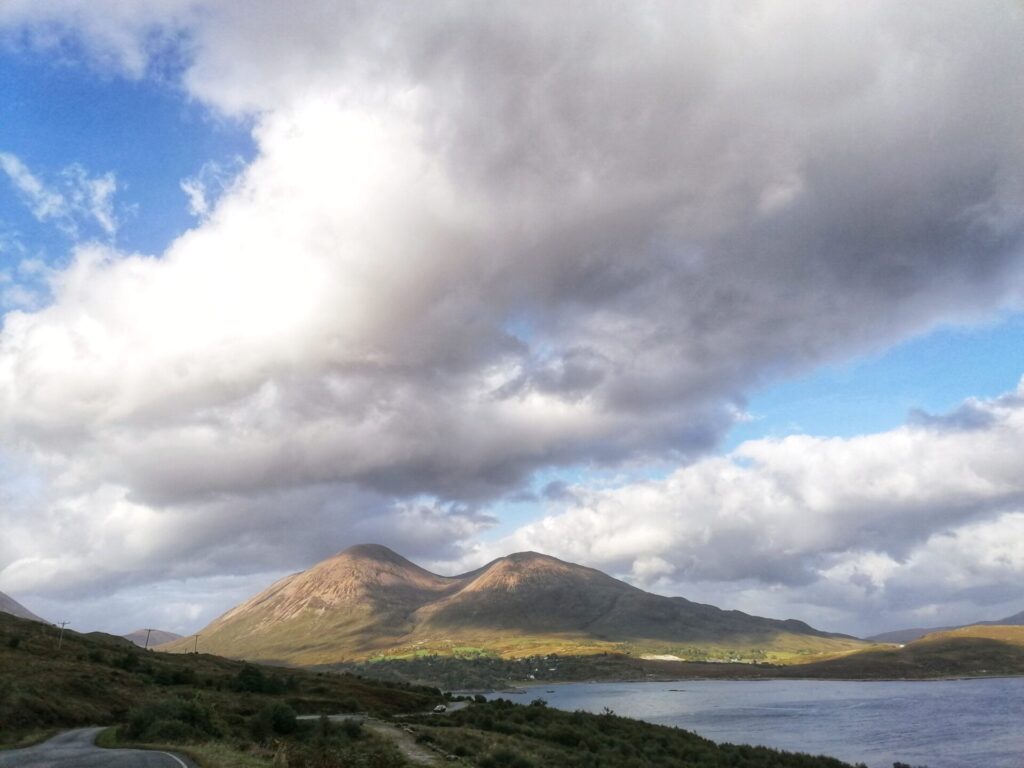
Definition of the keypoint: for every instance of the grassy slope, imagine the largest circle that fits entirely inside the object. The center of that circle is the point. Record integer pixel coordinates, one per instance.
(502, 734)
(972, 651)
(330, 640)
(780, 648)
(1010, 634)
(94, 681)
(979, 650)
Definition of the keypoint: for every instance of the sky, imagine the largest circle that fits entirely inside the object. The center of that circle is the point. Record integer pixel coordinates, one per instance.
(723, 298)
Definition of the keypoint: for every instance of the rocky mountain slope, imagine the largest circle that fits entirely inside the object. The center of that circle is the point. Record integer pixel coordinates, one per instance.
(10, 605)
(369, 601)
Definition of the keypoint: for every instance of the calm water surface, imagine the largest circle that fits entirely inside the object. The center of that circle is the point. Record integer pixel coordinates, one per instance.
(941, 724)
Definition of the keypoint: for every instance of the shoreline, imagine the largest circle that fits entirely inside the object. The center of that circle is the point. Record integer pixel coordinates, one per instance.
(524, 687)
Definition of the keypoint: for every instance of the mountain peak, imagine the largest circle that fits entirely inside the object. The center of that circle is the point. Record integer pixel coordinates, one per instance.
(373, 552)
(530, 556)
(368, 600)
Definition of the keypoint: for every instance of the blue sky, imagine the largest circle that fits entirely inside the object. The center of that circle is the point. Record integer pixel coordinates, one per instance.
(58, 111)
(933, 373)
(662, 227)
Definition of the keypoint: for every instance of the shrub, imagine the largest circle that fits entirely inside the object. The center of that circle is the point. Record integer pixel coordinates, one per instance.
(250, 678)
(128, 662)
(275, 718)
(168, 731)
(172, 676)
(171, 720)
(505, 758)
(283, 719)
(352, 728)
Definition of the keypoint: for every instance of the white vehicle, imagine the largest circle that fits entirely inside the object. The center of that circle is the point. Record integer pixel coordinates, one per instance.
(440, 708)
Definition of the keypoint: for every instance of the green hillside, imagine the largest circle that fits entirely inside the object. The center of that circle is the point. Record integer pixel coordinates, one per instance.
(970, 651)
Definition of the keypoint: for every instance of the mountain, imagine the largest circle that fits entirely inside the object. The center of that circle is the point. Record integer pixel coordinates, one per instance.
(368, 601)
(916, 633)
(1017, 620)
(13, 607)
(156, 637)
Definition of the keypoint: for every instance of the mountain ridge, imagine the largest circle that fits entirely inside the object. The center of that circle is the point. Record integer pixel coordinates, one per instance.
(368, 601)
(9, 605)
(911, 634)
(150, 638)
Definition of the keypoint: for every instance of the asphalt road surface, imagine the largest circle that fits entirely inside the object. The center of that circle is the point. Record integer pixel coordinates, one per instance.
(77, 749)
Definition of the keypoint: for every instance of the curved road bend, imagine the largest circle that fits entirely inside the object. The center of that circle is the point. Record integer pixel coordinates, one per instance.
(77, 749)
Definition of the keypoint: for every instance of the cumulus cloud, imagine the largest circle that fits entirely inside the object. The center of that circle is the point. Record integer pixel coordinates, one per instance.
(478, 241)
(890, 522)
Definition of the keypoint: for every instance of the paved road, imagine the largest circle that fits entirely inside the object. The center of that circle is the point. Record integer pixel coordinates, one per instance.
(77, 749)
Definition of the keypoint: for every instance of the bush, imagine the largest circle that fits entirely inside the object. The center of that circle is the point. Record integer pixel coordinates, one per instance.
(171, 720)
(128, 662)
(172, 676)
(168, 731)
(352, 728)
(505, 758)
(277, 718)
(283, 718)
(251, 679)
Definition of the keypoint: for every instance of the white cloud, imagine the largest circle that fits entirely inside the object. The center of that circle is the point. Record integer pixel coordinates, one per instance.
(77, 199)
(892, 521)
(206, 186)
(44, 203)
(477, 241)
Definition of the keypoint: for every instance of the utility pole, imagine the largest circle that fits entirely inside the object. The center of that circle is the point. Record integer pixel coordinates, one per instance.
(148, 632)
(195, 648)
(60, 637)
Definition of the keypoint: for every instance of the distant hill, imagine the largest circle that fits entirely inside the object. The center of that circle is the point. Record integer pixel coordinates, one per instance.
(916, 633)
(10, 605)
(156, 637)
(977, 650)
(368, 601)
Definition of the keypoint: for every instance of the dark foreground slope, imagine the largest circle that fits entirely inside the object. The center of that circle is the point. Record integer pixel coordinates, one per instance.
(504, 734)
(370, 602)
(227, 713)
(92, 680)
